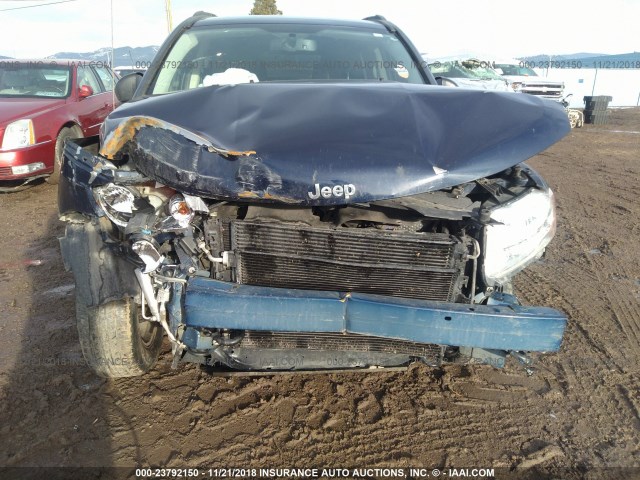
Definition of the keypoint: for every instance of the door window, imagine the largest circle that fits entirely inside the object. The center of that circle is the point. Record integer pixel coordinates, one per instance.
(87, 77)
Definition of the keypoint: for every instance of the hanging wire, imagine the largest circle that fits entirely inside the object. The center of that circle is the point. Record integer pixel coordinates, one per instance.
(167, 6)
(38, 5)
(113, 64)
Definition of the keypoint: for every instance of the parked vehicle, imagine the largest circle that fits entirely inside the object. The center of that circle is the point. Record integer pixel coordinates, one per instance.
(526, 80)
(42, 104)
(464, 71)
(300, 194)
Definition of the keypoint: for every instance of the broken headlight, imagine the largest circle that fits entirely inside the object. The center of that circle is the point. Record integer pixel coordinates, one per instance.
(117, 202)
(518, 235)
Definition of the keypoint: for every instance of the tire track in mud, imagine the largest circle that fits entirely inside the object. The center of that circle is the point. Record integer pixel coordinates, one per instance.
(434, 416)
(591, 275)
(590, 404)
(335, 418)
(601, 262)
(590, 258)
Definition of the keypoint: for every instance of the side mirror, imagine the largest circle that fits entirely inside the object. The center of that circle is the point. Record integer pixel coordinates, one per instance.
(127, 86)
(85, 91)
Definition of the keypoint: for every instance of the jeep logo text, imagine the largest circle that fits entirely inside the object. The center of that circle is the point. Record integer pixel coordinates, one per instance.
(345, 191)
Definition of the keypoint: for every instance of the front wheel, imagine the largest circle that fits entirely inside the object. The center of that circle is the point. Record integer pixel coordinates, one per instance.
(65, 134)
(116, 341)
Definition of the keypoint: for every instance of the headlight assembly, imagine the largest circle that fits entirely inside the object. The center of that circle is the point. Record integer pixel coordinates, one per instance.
(18, 134)
(518, 235)
(117, 202)
(180, 210)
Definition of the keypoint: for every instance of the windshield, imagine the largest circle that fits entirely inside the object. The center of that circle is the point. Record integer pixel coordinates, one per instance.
(516, 70)
(284, 52)
(34, 80)
(464, 69)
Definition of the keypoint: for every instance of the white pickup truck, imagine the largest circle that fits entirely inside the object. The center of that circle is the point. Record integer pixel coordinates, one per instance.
(467, 71)
(526, 80)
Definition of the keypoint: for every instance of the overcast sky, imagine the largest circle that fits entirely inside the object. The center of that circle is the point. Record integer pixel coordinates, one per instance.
(504, 28)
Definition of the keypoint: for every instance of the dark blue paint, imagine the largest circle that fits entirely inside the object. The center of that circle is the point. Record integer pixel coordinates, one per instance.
(384, 138)
(215, 304)
(75, 194)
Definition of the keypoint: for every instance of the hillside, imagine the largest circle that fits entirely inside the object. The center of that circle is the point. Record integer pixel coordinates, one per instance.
(123, 56)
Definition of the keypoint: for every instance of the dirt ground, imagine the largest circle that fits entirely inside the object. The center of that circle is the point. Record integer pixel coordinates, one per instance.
(579, 414)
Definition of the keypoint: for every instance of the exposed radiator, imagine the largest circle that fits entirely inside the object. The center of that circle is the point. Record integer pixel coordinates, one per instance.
(428, 266)
(339, 342)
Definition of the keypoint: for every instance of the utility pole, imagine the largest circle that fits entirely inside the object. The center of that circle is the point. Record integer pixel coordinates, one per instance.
(167, 6)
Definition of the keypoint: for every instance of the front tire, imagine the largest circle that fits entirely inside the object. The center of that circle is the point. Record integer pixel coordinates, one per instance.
(65, 134)
(116, 341)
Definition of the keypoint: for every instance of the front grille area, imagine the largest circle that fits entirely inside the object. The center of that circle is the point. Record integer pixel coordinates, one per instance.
(339, 342)
(5, 172)
(546, 90)
(426, 266)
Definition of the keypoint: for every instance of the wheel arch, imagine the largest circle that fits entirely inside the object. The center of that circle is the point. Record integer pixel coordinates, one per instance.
(101, 275)
(70, 124)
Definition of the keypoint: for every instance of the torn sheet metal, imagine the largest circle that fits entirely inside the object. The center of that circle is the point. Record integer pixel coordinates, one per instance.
(127, 130)
(308, 144)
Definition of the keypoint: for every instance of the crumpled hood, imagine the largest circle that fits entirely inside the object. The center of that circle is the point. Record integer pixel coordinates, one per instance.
(327, 144)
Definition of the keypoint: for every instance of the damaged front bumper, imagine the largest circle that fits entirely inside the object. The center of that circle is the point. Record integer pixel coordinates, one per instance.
(206, 305)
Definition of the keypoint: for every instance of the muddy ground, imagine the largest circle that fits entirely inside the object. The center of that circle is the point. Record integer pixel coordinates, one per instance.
(577, 415)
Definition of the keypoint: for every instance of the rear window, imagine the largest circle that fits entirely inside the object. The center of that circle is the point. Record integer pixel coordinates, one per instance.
(285, 52)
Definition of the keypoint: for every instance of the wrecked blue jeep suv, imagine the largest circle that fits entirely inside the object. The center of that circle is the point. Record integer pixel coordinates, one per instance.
(279, 194)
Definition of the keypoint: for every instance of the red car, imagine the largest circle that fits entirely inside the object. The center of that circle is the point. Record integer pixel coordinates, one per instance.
(42, 103)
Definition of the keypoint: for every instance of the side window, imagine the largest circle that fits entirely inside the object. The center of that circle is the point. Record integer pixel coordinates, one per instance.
(106, 76)
(87, 77)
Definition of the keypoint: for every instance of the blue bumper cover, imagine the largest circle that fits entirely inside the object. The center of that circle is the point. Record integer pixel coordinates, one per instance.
(214, 304)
